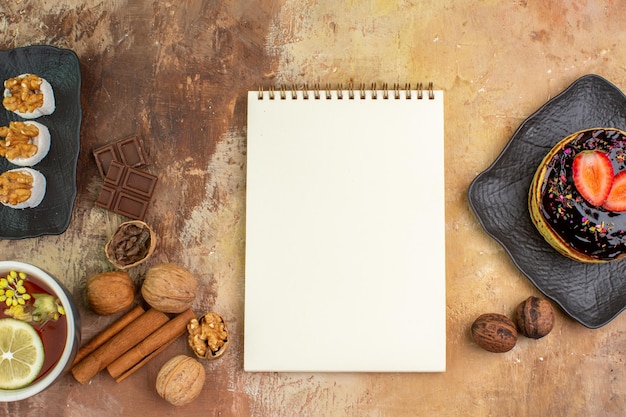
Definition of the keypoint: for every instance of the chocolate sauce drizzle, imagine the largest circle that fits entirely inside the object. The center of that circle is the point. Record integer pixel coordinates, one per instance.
(592, 230)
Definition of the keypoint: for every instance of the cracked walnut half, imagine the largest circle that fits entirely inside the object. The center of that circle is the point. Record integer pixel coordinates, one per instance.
(208, 337)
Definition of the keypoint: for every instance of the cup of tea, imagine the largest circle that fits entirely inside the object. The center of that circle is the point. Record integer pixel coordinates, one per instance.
(39, 330)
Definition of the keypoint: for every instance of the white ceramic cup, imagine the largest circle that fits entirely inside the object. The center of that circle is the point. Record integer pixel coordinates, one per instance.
(72, 340)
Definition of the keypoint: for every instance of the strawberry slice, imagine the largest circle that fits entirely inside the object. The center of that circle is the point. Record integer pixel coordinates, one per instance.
(616, 201)
(593, 176)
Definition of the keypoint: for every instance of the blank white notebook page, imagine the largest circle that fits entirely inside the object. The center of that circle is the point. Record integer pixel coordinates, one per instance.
(345, 233)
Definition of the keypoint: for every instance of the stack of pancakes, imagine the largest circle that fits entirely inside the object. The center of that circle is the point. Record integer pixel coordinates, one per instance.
(574, 226)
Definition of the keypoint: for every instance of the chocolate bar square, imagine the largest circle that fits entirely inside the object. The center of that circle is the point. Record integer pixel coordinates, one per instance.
(130, 205)
(104, 156)
(115, 174)
(129, 151)
(106, 198)
(132, 152)
(139, 182)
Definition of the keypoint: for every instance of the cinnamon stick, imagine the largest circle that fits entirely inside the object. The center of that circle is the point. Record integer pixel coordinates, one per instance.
(119, 344)
(108, 333)
(170, 331)
(143, 362)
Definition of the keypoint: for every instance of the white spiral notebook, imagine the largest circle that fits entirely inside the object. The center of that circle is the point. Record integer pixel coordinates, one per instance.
(345, 231)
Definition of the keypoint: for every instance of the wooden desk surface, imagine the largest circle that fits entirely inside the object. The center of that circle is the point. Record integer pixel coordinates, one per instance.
(177, 73)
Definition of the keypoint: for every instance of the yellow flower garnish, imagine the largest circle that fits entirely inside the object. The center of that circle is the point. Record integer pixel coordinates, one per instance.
(12, 290)
(40, 310)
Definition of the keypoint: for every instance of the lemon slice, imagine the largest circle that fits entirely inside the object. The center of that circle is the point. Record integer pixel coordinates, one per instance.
(21, 354)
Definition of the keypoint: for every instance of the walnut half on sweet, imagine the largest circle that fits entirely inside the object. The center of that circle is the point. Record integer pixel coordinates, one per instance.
(208, 337)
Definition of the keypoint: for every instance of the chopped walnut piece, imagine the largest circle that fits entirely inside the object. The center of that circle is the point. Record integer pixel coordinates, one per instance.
(208, 337)
(18, 140)
(25, 93)
(15, 187)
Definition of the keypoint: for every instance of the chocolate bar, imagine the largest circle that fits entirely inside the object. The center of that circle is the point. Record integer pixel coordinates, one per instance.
(129, 151)
(126, 190)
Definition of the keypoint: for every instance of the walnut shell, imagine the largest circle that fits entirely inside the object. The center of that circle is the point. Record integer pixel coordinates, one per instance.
(494, 332)
(534, 317)
(208, 337)
(169, 288)
(110, 292)
(132, 244)
(180, 380)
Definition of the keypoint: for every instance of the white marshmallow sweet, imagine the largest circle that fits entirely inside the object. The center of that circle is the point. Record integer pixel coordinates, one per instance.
(45, 109)
(37, 191)
(42, 141)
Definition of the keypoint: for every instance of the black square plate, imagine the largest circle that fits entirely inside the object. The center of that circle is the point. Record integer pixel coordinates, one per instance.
(60, 67)
(593, 294)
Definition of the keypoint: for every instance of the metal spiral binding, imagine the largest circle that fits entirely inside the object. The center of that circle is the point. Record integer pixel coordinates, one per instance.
(431, 91)
(362, 90)
(317, 91)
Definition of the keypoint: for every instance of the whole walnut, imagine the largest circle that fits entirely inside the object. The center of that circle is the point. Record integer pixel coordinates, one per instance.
(180, 380)
(494, 332)
(169, 288)
(110, 292)
(534, 317)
